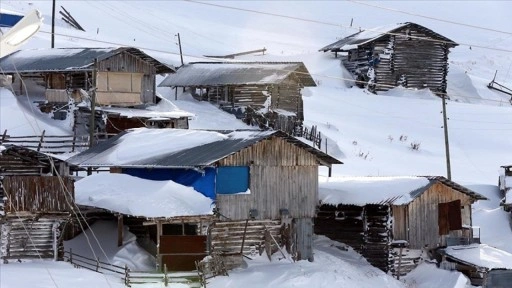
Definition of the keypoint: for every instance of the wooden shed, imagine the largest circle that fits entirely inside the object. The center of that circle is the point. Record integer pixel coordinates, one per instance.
(274, 86)
(36, 196)
(369, 213)
(263, 182)
(122, 76)
(405, 54)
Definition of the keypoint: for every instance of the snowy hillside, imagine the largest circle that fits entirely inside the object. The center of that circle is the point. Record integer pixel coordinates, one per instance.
(371, 134)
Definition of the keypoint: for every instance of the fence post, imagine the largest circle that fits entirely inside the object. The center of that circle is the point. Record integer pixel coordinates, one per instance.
(126, 275)
(41, 141)
(3, 136)
(70, 256)
(97, 264)
(166, 278)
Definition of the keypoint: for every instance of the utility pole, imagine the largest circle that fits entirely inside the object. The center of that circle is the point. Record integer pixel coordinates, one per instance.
(446, 142)
(93, 108)
(53, 24)
(179, 44)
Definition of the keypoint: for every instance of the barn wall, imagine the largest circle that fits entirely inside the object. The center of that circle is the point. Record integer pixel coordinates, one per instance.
(125, 62)
(400, 222)
(282, 175)
(423, 215)
(406, 61)
(274, 188)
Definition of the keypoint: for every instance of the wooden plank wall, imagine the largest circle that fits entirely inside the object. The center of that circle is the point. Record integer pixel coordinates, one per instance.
(23, 238)
(423, 64)
(400, 222)
(270, 192)
(303, 230)
(367, 229)
(38, 194)
(423, 215)
(125, 62)
(282, 175)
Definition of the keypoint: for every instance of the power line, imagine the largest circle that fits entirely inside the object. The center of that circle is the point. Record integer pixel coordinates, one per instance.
(430, 17)
(343, 26)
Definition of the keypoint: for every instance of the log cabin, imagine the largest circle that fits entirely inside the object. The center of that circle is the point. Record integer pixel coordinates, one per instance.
(371, 213)
(264, 183)
(36, 197)
(405, 54)
(121, 77)
(274, 87)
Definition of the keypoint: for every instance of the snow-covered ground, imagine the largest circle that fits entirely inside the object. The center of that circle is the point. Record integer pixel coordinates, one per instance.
(371, 134)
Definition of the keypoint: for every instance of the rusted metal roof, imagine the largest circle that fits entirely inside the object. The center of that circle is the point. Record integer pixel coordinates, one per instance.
(69, 59)
(206, 74)
(189, 153)
(367, 36)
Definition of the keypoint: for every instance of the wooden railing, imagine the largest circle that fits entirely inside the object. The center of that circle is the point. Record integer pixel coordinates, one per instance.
(129, 277)
(55, 144)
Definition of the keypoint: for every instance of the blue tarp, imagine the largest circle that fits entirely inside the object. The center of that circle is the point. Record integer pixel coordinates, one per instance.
(233, 179)
(9, 20)
(201, 182)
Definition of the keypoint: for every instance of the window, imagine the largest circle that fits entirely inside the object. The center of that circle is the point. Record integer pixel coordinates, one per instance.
(232, 179)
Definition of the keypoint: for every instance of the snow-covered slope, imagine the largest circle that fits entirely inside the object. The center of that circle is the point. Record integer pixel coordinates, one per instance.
(372, 134)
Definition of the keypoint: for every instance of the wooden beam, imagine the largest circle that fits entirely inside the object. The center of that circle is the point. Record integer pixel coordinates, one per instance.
(119, 230)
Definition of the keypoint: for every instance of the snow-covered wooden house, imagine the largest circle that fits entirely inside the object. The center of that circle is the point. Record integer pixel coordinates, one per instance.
(274, 87)
(36, 198)
(121, 76)
(371, 213)
(405, 54)
(264, 183)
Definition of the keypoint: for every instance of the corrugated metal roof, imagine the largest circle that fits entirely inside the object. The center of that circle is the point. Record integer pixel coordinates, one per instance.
(69, 59)
(189, 154)
(204, 74)
(366, 36)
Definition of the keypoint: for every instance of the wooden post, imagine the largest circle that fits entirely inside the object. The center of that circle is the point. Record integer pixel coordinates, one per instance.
(93, 103)
(158, 234)
(446, 142)
(97, 264)
(166, 277)
(399, 264)
(70, 255)
(181, 52)
(4, 136)
(53, 24)
(41, 141)
(119, 230)
(126, 275)
(243, 237)
(55, 231)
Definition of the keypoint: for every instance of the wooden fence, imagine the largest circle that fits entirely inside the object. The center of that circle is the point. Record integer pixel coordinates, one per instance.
(129, 277)
(38, 194)
(56, 144)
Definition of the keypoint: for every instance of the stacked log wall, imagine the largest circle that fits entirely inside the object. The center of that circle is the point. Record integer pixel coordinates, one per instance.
(367, 229)
(25, 238)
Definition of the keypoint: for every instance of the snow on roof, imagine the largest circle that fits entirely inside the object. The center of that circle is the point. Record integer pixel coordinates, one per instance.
(69, 59)
(370, 190)
(143, 113)
(233, 73)
(173, 148)
(481, 255)
(140, 197)
(363, 37)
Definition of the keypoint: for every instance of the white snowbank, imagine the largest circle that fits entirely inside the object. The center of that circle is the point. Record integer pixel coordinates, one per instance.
(335, 265)
(140, 197)
(105, 232)
(481, 255)
(427, 275)
(369, 190)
